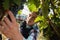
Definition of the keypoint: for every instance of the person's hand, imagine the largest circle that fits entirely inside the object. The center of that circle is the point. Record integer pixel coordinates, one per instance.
(10, 27)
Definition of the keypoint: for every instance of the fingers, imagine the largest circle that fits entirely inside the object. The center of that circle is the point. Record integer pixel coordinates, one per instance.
(4, 31)
(7, 21)
(1, 27)
(11, 16)
(4, 24)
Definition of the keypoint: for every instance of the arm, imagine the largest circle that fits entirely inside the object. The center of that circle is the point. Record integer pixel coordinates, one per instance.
(17, 37)
(10, 28)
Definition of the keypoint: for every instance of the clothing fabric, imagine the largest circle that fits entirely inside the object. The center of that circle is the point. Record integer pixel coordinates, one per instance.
(29, 32)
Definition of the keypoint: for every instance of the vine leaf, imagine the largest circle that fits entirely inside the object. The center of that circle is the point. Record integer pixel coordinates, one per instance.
(17, 2)
(6, 4)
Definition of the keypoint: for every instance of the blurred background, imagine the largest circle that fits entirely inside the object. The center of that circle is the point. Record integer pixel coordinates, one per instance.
(48, 15)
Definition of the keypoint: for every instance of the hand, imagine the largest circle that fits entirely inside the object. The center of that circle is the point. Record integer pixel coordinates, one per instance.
(10, 27)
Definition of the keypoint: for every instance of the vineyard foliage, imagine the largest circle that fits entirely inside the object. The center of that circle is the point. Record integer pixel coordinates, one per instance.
(48, 14)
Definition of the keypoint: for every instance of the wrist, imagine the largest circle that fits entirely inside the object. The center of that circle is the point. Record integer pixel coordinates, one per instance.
(17, 37)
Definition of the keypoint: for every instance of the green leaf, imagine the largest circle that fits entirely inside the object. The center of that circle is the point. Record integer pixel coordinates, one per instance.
(43, 25)
(6, 4)
(17, 2)
(45, 7)
(36, 2)
(32, 7)
(19, 12)
(39, 18)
